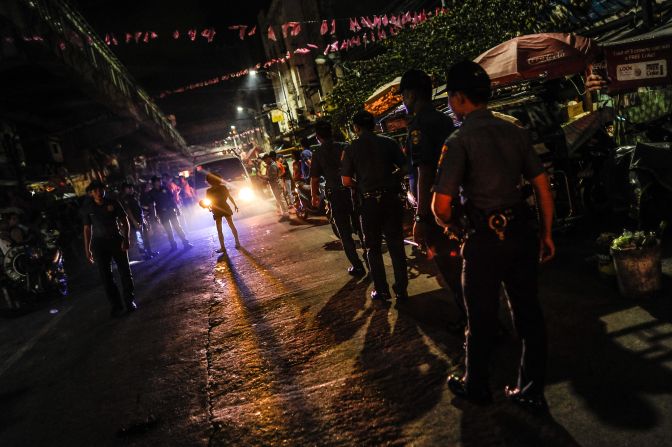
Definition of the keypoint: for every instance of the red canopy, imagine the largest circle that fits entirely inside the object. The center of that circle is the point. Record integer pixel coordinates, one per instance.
(552, 55)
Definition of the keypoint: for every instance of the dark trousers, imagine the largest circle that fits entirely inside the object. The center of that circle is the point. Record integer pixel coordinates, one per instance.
(146, 246)
(170, 224)
(446, 255)
(489, 262)
(380, 217)
(342, 211)
(104, 251)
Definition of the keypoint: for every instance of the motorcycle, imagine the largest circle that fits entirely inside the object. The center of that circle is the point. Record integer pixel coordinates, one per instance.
(303, 202)
(31, 270)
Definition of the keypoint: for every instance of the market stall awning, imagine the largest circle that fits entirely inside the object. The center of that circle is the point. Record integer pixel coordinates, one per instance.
(546, 55)
(384, 98)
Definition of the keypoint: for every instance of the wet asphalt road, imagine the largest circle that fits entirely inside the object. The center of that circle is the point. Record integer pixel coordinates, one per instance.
(274, 344)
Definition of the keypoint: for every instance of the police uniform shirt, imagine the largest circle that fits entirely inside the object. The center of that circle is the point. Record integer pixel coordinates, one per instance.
(327, 163)
(487, 157)
(427, 132)
(163, 200)
(372, 159)
(132, 205)
(103, 218)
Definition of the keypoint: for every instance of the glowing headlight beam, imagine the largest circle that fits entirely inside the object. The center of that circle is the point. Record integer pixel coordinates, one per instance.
(246, 194)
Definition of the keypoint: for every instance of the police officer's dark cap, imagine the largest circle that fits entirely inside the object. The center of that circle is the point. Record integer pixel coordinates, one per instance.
(416, 80)
(364, 119)
(467, 76)
(95, 184)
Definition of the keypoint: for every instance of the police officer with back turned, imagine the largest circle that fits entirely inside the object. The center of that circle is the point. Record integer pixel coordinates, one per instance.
(326, 162)
(374, 165)
(427, 132)
(487, 157)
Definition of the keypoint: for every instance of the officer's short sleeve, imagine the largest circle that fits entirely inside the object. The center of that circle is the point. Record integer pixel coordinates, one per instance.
(316, 170)
(452, 166)
(347, 164)
(532, 165)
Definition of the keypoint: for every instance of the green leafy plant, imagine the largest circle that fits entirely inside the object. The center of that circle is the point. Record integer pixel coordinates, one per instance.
(635, 240)
(467, 29)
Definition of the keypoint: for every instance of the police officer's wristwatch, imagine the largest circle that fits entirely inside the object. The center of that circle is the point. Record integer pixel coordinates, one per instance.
(421, 218)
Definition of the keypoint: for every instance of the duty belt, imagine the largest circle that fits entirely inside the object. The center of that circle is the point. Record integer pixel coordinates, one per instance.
(498, 220)
(330, 191)
(376, 194)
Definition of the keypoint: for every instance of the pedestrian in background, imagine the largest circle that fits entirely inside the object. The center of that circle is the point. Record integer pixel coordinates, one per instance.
(427, 132)
(273, 178)
(306, 159)
(187, 198)
(374, 165)
(167, 211)
(287, 183)
(297, 175)
(486, 158)
(106, 238)
(326, 162)
(219, 195)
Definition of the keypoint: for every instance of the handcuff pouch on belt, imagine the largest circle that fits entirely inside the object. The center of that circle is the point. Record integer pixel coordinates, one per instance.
(497, 221)
(377, 194)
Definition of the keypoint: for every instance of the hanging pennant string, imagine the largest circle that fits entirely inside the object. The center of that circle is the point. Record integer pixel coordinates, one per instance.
(366, 37)
(293, 28)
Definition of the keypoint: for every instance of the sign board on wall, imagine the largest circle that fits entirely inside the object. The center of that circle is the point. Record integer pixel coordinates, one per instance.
(639, 63)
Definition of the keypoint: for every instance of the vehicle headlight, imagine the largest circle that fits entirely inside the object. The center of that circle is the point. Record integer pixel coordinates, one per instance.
(246, 194)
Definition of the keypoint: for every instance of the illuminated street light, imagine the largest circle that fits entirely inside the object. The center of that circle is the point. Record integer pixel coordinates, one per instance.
(240, 108)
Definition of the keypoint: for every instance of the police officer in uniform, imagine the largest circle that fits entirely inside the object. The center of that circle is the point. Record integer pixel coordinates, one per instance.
(427, 132)
(137, 221)
(326, 162)
(106, 233)
(487, 157)
(167, 210)
(374, 165)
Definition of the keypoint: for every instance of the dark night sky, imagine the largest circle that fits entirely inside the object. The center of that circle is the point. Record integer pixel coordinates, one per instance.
(166, 64)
